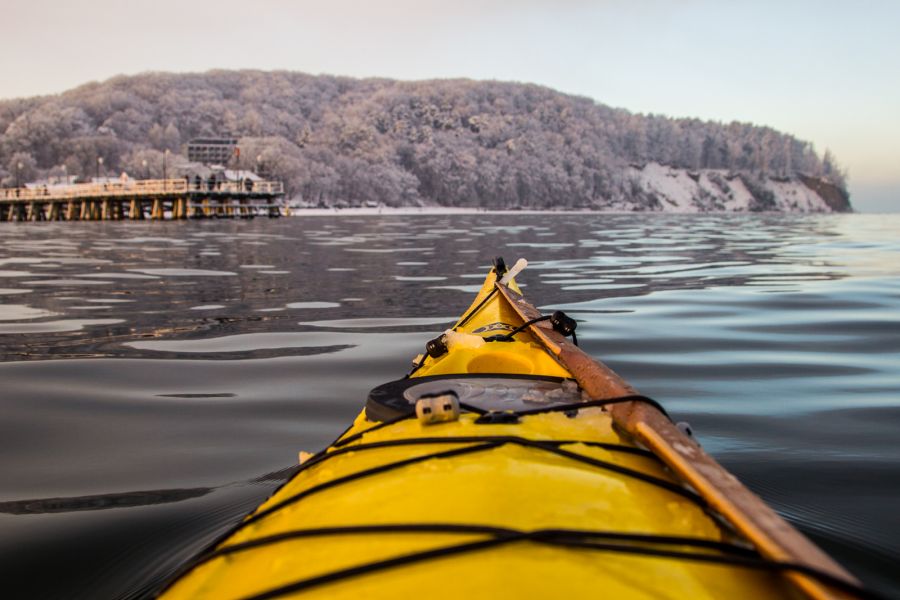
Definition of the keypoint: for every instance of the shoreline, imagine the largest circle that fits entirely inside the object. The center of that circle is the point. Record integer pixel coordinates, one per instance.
(450, 210)
(430, 210)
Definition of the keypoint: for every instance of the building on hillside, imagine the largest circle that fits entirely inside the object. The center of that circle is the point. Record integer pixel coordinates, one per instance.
(212, 151)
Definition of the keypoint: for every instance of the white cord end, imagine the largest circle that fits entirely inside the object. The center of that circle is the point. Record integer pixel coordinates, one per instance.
(438, 409)
(516, 269)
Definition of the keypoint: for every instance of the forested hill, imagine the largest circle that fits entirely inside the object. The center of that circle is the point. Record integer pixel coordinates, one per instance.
(336, 140)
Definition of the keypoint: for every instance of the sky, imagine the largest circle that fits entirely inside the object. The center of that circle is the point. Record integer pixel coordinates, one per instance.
(827, 72)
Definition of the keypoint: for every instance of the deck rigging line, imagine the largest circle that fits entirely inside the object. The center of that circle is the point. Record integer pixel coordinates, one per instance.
(658, 546)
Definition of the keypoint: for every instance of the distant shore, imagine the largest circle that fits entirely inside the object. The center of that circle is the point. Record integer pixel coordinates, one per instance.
(452, 210)
(427, 210)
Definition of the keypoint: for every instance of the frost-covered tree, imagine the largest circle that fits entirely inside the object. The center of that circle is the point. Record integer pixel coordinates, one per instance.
(145, 163)
(21, 168)
(336, 139)
(831, 170)
(171, 139)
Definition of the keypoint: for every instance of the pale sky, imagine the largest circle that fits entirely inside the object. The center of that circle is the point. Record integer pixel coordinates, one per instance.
(827, 72)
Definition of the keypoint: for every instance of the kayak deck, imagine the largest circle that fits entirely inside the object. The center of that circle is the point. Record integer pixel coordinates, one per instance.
(494, 483)
(531, 491)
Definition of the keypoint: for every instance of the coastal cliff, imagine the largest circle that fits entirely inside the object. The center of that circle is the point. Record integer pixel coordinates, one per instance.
(836, 197)
(338, 141)
(657, 187)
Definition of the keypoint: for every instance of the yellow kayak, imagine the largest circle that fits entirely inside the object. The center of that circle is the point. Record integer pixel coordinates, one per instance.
(508, 464)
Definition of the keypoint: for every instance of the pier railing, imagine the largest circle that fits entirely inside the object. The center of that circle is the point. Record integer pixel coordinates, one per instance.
(141, 187)
(138, 199)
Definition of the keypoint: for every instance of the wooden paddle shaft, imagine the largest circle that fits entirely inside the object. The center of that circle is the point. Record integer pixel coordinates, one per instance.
(774, 537)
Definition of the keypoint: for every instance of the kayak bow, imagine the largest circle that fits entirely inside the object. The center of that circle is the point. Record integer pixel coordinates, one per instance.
(509, 463)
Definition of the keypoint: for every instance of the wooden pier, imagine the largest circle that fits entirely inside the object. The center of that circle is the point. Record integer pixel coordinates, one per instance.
(154, 199)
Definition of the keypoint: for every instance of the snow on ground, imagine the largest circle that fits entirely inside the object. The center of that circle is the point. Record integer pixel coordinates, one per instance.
(740, 198)
(794, 196)
(416, 210)
(675, 190)
(680, 190)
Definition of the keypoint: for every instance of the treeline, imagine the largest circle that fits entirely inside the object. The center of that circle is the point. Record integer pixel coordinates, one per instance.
(342, 140)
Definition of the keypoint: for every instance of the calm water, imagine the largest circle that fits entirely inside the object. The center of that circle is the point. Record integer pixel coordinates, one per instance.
(157, 377)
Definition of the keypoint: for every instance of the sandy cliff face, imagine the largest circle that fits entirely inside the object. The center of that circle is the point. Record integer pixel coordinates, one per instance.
(657, 187)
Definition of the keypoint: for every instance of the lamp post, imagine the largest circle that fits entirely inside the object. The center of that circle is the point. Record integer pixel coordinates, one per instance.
(19, 166)
(165, 168)
(237, 164)
(99, 166)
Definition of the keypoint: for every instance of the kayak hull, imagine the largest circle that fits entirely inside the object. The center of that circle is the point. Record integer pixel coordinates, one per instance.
(507, 486)
(531, 503)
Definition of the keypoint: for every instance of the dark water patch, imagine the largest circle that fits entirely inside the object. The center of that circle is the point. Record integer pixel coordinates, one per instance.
(207, 395)
(255, 354)
(124, 553)
(99, 501)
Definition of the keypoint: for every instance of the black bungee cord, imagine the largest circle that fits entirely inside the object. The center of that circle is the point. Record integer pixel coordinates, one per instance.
(647, 545)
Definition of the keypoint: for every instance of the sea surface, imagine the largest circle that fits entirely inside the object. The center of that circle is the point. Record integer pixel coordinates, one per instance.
(158, 379)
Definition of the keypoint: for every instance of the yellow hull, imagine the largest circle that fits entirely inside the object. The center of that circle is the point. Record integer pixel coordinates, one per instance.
(385, 497)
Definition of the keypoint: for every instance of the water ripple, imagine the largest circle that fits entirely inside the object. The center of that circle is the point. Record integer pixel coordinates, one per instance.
(776, 336)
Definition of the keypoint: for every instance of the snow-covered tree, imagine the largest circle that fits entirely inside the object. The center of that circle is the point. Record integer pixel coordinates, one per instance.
(331, 139)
